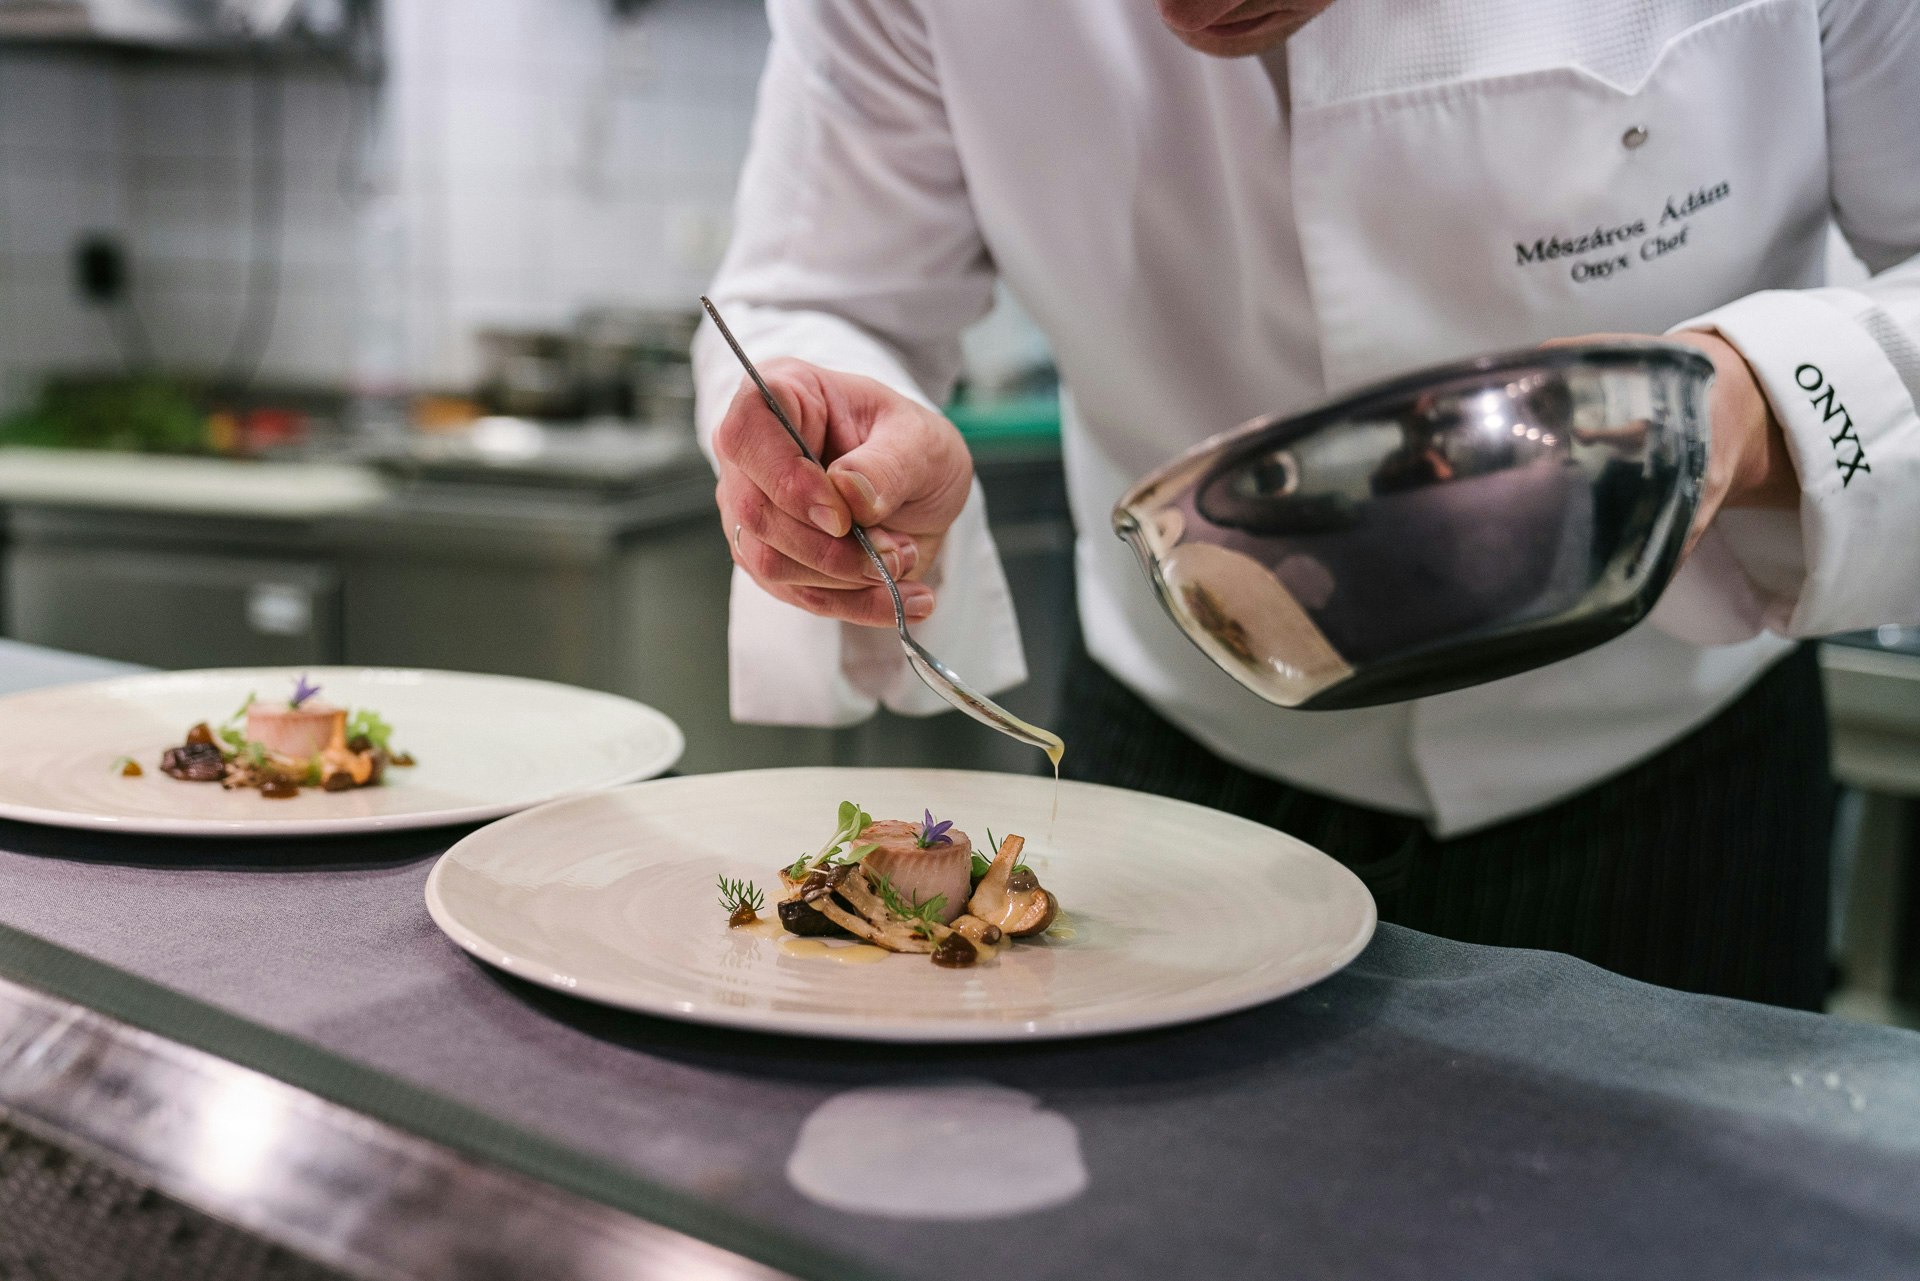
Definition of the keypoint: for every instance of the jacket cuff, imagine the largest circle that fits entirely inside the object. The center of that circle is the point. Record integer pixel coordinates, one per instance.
(1854, 438)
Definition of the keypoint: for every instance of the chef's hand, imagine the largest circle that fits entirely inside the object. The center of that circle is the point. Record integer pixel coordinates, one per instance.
(893, 466)
(1747, 460)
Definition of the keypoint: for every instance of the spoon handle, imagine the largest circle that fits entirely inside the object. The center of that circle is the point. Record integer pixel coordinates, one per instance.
(766, 393)
(773, 404)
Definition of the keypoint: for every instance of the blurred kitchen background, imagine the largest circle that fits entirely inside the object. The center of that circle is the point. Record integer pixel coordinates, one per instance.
(342, 331)
(339, 331)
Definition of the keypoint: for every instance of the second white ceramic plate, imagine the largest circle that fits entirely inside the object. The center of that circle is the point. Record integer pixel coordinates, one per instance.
(1172, 912)
(486, 746)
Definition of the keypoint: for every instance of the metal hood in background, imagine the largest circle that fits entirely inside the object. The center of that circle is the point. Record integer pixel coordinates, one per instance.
(181, 24)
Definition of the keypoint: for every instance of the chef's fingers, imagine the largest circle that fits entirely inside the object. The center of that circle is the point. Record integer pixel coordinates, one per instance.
(769, 565)
(751, 440)
(909, 455)
(867, 606)
(777, 538)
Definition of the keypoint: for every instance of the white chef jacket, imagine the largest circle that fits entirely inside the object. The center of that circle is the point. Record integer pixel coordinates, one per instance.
(1444, 178)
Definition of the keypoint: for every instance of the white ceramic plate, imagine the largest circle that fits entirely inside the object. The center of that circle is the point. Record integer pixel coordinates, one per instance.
(486, 746)
(1172, 912)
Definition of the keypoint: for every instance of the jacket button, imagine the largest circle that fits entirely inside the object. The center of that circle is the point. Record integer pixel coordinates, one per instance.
(1633, 137)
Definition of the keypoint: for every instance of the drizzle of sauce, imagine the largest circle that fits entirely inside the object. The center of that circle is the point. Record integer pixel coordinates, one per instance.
(1055, 751)
(765, 927)
(844, 954)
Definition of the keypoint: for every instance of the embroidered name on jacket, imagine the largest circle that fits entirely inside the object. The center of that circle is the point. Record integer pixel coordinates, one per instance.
(1619, 245)
(1849, 455)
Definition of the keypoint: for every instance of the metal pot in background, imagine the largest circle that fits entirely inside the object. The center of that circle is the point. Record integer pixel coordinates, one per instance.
(1445, 528)
(636, 364)
(615, 363)
(528, 373)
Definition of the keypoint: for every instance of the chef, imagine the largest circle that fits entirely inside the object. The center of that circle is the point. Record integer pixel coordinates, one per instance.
(1222, 208)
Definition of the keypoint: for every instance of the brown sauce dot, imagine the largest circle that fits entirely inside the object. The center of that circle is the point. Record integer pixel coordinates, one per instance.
(279, 789)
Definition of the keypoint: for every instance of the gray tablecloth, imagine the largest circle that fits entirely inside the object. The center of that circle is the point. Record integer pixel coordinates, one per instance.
(1435, 1110)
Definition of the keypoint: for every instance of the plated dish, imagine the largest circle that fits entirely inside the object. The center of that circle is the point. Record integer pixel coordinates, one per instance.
(1163, 912)
(484, 746)
(904, 887)
(278, 747)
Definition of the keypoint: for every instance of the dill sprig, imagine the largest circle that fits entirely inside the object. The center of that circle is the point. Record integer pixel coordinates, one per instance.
(741, 899)
(919, 915)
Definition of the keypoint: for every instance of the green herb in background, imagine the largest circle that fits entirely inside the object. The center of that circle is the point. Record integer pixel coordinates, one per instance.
(149, 415)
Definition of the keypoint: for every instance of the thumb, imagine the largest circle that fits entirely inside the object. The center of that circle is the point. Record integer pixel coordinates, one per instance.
(887, 470)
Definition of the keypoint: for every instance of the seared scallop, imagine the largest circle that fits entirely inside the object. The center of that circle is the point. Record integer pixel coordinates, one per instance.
(299, 732)
(920, 874)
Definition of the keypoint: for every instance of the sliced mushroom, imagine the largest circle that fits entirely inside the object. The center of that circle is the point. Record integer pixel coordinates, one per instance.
(893, 933)
(980, 933)
(1016, 904)
(340, 766)
(194, 762)
(893, 938)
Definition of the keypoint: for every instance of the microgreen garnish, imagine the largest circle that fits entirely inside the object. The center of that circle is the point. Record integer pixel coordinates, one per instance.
(367, 724)
(932, 833)
(852, 821)
(231, 733)
(742, 900)
(302, 692)
(920, 916)
(853, 855)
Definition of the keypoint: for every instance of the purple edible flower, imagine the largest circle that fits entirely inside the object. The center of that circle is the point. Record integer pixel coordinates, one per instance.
(932, 833)
(302, 692)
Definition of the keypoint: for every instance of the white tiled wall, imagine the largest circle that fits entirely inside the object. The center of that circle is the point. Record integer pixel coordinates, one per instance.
(159, 152)
(521, 159)
(549, 158)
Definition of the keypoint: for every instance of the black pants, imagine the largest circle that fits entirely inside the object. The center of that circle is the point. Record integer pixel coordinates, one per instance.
(1703, 868)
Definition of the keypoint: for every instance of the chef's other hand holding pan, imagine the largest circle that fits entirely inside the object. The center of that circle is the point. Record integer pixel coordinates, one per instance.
(892, 465)
(1747, 460)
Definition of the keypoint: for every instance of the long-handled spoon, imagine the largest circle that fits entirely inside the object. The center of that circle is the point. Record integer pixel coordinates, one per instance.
(939, 678)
